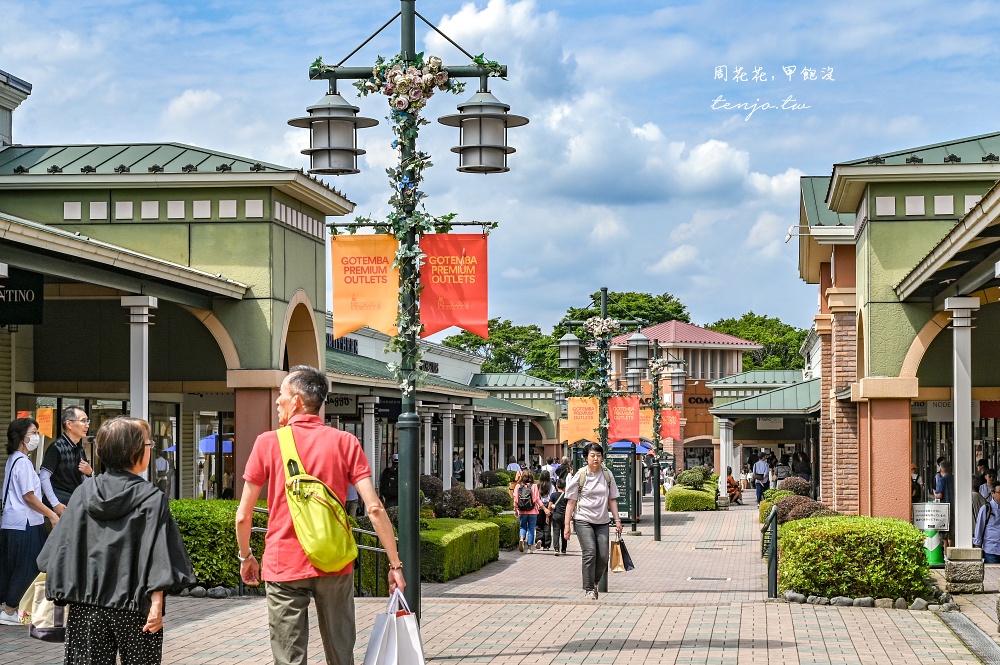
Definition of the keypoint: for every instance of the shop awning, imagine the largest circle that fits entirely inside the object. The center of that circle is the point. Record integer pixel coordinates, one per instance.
(799, 399)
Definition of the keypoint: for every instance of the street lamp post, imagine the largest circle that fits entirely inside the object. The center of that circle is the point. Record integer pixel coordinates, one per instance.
(569, 358)
(483, 121)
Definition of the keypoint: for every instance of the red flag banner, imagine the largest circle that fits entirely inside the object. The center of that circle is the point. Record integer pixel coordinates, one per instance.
(670, 424)
(623, 419)
(365, 285)
(453, 277)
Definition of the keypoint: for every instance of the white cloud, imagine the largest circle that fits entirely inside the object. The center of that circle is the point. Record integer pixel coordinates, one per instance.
(677, 259)
(190, 106)
(767, 234)
(648, 132)
(520, 274)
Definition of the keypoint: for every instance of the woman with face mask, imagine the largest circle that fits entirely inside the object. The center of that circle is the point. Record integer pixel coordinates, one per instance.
(22, 530)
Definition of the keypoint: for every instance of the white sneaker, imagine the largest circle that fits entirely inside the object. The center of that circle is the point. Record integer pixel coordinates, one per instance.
(591, 595)
(9, 619)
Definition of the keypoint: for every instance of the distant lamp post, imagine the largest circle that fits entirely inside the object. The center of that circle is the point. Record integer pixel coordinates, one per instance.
(637, 355)
(633, 381)
(559, 397)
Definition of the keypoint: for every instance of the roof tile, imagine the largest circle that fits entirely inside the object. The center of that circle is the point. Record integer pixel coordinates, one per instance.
(679, 333)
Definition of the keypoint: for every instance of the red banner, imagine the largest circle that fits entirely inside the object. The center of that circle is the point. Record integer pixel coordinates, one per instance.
(623, 419)
(670, 424)
(453, 277)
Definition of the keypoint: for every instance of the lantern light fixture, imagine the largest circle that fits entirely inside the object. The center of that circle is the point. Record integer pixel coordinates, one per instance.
(333, 137)
(483, 121)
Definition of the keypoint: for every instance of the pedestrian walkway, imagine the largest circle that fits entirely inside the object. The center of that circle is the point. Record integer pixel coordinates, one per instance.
(528, 609)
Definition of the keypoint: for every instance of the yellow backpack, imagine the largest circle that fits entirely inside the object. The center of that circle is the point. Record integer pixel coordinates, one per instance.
(318, 516)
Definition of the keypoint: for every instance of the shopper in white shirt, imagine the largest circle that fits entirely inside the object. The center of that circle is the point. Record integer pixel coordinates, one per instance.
(22, 530)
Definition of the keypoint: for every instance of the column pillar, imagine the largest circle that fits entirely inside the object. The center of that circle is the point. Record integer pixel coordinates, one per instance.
(513, 437)
(468, 420)
(139, 322)
(725, 459)
(368, 403)
(527, 444)
(448, 443)
(427, 419)
(486, 444)
(961, 324)
(501, 458)
(334, 421)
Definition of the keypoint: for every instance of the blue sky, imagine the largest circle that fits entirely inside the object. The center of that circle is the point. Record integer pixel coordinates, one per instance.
(626, 176)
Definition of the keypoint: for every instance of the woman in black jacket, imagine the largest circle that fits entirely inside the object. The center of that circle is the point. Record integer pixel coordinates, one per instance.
(115, 551)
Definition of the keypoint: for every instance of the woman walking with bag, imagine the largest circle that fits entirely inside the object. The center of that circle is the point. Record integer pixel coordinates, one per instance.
(558, 517)
(116, 552)
(22, 531)
(545, 491)
(527, 503)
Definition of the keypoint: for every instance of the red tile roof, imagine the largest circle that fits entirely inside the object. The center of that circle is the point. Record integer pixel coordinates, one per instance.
(678, 333)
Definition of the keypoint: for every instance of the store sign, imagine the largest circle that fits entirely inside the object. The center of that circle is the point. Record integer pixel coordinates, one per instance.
(918, 408)
(770, 423)
(944, 412)
(21, 296)
(934, 516)
(341, 405)
(389, 408)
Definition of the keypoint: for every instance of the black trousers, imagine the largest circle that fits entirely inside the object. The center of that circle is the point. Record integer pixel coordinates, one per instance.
(543, 530)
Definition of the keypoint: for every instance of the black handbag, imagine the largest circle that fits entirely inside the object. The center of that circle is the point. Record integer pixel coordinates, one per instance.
(626, 557)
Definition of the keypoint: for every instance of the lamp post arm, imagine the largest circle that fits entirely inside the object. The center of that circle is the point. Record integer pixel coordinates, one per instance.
(358, 73)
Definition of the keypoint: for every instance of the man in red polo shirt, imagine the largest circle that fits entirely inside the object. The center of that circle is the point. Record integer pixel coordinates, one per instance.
(336, 458)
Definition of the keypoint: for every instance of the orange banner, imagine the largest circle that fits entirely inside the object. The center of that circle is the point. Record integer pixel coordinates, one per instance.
(454, 281)
(670, 424)
(46, 422)
(365, 285)
(623, 419)
(646, 423)
(581, 419)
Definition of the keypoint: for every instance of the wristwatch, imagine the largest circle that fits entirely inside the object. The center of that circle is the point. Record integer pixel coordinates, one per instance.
(244, 558)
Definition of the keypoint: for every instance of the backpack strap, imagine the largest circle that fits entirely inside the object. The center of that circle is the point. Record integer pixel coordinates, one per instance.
(10, 481)
(289, 453)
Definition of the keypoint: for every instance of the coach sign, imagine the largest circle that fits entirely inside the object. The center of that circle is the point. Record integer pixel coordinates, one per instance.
(21, 295)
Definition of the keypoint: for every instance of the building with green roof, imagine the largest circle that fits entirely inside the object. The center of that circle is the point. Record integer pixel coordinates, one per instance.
(904, 248)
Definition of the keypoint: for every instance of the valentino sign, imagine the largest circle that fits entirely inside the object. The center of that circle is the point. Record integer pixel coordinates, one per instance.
(21, 295)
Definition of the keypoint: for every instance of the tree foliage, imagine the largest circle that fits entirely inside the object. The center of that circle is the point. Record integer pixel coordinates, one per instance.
(514, 348)
(780, 341)
(510, 348)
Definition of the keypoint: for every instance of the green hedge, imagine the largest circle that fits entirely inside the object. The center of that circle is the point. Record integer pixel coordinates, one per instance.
(681, 498)
(208, 529)
(852, 556)
(774, 495)
(450, 548)
(510, 530)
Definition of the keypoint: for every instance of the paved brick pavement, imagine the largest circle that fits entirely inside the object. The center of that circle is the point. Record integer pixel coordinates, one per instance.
(528, 609)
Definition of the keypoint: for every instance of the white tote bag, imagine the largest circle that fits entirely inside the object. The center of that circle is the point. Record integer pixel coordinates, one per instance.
(395, 638)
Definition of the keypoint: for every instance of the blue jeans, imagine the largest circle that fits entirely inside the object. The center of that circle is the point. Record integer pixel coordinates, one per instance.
(528, 528)
(760, 489)
(991, 558)
(595, 542)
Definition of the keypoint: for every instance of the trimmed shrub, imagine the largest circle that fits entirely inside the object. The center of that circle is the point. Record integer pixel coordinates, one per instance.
(505, 478)
(788, 504)
(774, 495)
(494, 496)
(207, 528)
(477, 513)
(692, 478)
(826, 512)
(494, 479)
(797, 485)
(510, 530)
(432, 487)
(852, 556)
(764, 509)
(679, 498)
(804, 510)
(454, 501)
(451, 548)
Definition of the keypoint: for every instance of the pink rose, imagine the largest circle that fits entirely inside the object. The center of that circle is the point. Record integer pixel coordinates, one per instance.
(400, 103)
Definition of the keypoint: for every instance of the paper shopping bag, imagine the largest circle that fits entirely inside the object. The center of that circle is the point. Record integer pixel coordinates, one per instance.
(626, 557)
(46, 620)
(395, 638)
(615, 561)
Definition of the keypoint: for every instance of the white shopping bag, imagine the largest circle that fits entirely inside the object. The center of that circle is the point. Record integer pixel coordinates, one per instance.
(395, 638)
